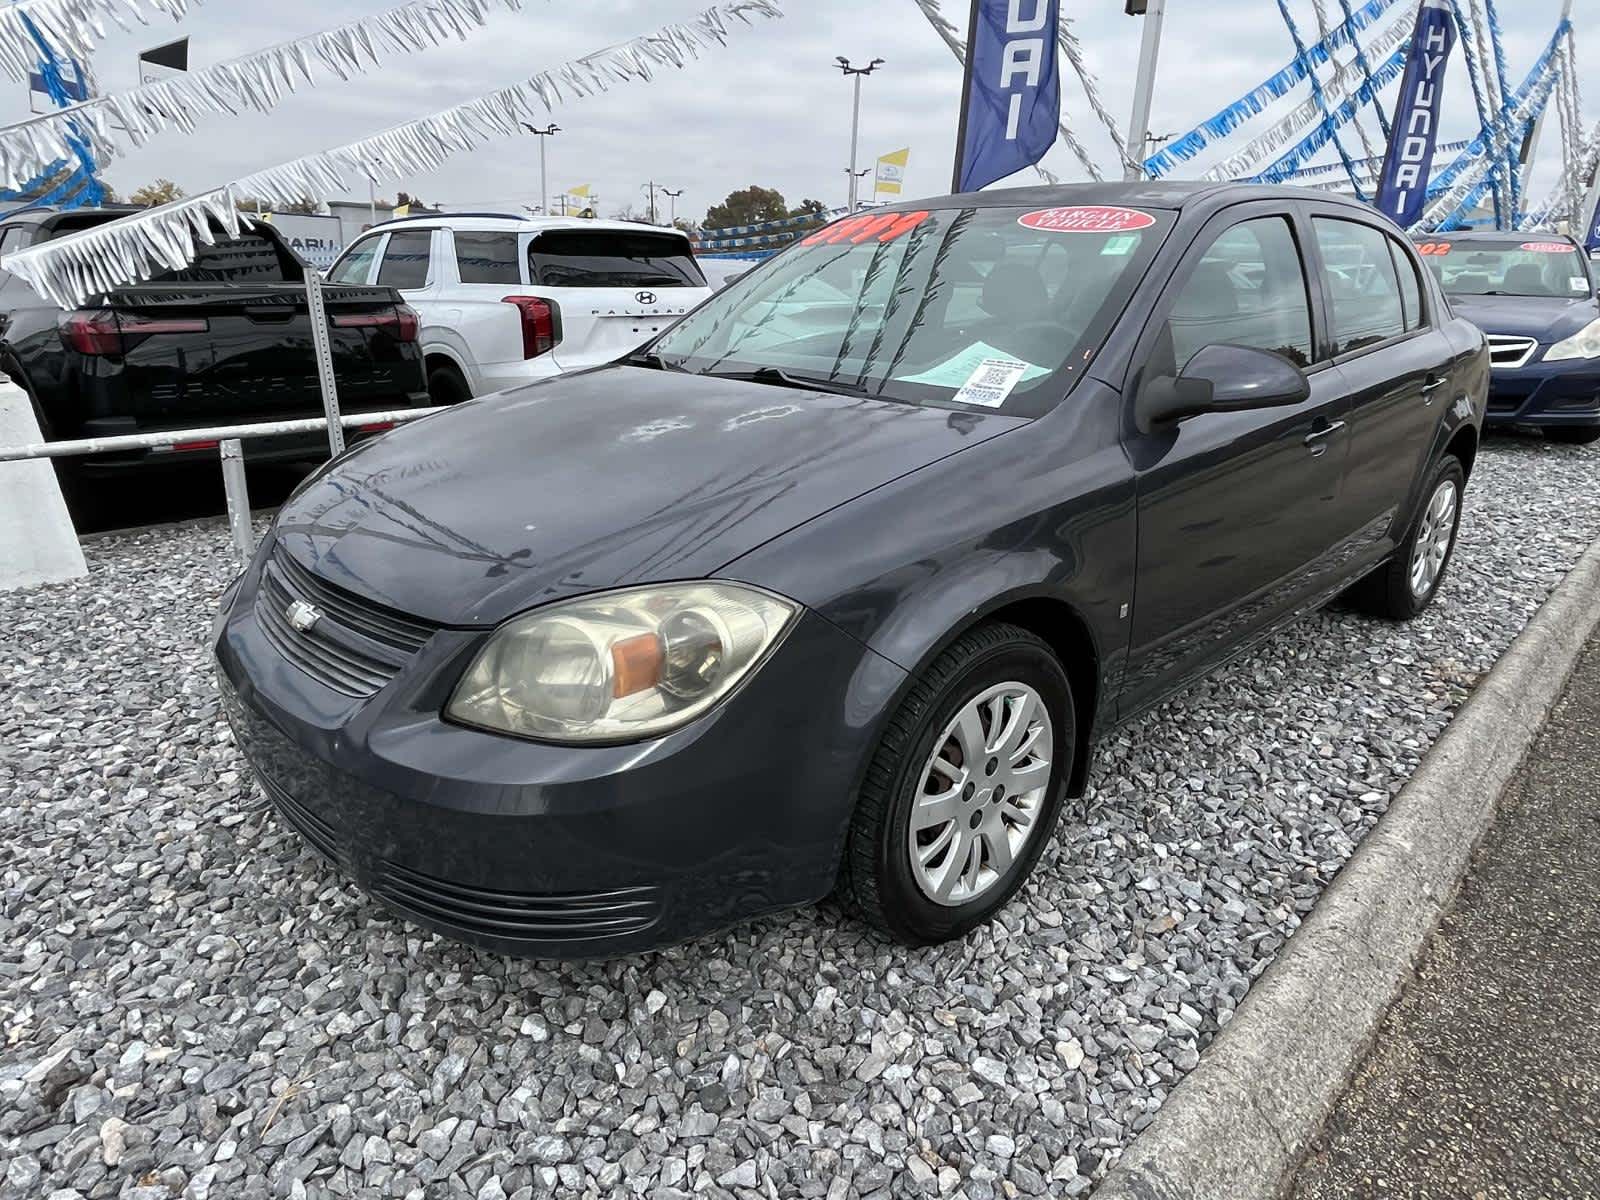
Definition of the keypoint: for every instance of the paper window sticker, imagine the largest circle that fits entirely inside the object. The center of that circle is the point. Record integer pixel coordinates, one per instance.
(991, 381)
(956, 370)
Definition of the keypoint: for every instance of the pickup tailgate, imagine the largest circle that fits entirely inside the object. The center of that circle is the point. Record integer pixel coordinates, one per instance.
(209, 354)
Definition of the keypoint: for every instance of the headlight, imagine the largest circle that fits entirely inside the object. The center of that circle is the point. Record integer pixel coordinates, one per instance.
(1583, 344)
(620, 665)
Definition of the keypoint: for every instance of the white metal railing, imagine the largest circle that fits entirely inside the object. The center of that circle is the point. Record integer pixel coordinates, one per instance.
(229, 439)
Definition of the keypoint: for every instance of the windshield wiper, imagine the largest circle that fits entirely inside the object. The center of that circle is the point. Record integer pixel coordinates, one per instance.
(649, 358)
(778, 377)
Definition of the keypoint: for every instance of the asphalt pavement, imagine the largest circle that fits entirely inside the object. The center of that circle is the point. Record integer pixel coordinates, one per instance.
(1484, 1079)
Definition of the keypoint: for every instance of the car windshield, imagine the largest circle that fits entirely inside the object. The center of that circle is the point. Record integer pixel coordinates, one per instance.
(948, 307)
(1512, 268)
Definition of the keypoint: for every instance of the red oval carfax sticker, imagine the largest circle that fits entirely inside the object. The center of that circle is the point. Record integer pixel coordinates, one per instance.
(1087, 218)
(1546, 247)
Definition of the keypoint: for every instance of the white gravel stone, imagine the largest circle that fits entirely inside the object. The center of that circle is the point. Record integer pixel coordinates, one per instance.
(176, 968)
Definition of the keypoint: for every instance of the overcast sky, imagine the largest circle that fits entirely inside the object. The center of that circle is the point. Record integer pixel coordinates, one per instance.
(767, 109)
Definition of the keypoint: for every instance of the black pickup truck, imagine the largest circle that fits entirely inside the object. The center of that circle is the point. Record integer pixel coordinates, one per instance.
(226, 340)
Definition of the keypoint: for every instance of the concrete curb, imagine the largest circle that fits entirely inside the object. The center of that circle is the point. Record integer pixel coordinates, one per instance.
(1238, 1125)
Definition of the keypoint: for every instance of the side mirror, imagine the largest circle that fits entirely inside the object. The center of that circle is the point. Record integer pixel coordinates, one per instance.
(1221, 378)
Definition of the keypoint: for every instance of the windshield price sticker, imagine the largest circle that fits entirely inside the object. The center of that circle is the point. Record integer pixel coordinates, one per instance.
(1546, 247)
(991, 382)
(1087, 218)
(1577, 283)
(1433, 248)
(877, 227)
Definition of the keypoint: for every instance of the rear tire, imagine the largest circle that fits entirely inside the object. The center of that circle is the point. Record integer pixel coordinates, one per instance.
(1406, 584)
(936, 844)
(1572, 435)
(447, 386)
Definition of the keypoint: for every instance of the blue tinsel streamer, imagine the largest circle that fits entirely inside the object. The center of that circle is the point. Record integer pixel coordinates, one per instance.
(1324, 131)
(1322, 101)
(1274, 87)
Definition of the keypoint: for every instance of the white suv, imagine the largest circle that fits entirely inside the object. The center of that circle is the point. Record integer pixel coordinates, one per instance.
(505, 300)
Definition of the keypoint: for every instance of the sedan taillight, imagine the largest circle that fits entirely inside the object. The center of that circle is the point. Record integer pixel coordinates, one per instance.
(98, 331)
(541, 324)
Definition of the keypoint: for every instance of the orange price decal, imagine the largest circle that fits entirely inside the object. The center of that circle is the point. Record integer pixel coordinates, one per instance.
(1435, 248)
(873, 227)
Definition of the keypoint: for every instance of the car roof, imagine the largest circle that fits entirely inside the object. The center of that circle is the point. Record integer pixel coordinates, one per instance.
(1174, 195)
(531, 224)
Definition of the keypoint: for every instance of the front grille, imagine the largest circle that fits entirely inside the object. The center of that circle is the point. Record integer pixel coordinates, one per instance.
(1508, 351)
(524, 916)
(354, 648)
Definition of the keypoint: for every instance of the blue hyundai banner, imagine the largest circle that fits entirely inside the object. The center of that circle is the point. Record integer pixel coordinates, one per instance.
(1591, 240)
(1403, 184)
(1011, 101)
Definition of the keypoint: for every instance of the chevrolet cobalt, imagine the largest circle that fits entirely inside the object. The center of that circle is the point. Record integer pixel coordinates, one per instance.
(832, 586)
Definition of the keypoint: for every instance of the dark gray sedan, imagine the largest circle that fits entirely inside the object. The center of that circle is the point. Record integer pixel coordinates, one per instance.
(834, 585)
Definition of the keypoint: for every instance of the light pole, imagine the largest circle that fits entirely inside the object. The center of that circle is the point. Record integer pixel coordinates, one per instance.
(855, 115)
(541, 134)
(673, 196)
(651, 188)
(1145, 83)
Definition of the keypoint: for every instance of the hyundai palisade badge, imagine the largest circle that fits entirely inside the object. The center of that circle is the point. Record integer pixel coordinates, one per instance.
(301, 616)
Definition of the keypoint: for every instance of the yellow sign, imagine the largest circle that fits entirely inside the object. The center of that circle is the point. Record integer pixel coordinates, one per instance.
(580, 191)
(891, 173)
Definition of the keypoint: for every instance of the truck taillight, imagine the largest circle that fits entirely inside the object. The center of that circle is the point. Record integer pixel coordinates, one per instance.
(399, 322)
(541, 324)
(98, 331)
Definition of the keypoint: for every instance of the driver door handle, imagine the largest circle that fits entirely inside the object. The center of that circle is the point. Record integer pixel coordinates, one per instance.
(1434, 383)
(1316, 436)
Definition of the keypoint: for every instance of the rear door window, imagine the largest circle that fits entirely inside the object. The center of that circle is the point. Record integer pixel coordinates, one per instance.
(612, 259)
(486, 257)
(356, 265)
(1361, 283)
(406, 260)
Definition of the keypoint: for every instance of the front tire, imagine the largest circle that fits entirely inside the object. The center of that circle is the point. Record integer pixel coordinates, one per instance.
(938, 843)
(1408, 582)
(1572, 435)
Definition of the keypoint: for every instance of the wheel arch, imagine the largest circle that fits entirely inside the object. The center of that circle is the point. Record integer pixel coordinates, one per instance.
(1464, 445)
(1057, 622)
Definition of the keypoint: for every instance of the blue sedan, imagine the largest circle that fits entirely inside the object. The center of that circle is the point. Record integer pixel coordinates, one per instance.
(1534, 297)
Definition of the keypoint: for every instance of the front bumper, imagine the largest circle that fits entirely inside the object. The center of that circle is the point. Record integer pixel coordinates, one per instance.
(563, 851)
(1545, 393)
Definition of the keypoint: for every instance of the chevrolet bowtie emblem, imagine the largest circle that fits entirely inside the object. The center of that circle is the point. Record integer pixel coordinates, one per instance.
(302, 616)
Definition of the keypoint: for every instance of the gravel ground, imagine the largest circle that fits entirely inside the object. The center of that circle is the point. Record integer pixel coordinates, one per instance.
(192, 1004)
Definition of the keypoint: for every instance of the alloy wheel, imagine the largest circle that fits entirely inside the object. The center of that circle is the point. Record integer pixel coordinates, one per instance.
(1434, 536)
(980, 794)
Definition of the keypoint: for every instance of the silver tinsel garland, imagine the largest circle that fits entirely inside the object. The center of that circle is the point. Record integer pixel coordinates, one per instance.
(1494, 153)
(69, 27)
(81, 265)
(1338, 87)
(256, 81)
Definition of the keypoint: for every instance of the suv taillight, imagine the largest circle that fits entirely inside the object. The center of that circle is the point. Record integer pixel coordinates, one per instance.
(399, 322)
(98, 331)
(541, 324)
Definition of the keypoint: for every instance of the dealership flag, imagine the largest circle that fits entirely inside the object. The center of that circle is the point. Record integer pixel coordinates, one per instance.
(891, 174)
(1403, 183)
(1011, 100)
(163, 62)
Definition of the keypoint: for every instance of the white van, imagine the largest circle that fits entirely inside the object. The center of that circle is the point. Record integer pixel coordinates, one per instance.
(505, 300)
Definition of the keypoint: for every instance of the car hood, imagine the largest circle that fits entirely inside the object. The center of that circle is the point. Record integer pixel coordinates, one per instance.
(614, 476)
(1546, 318)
